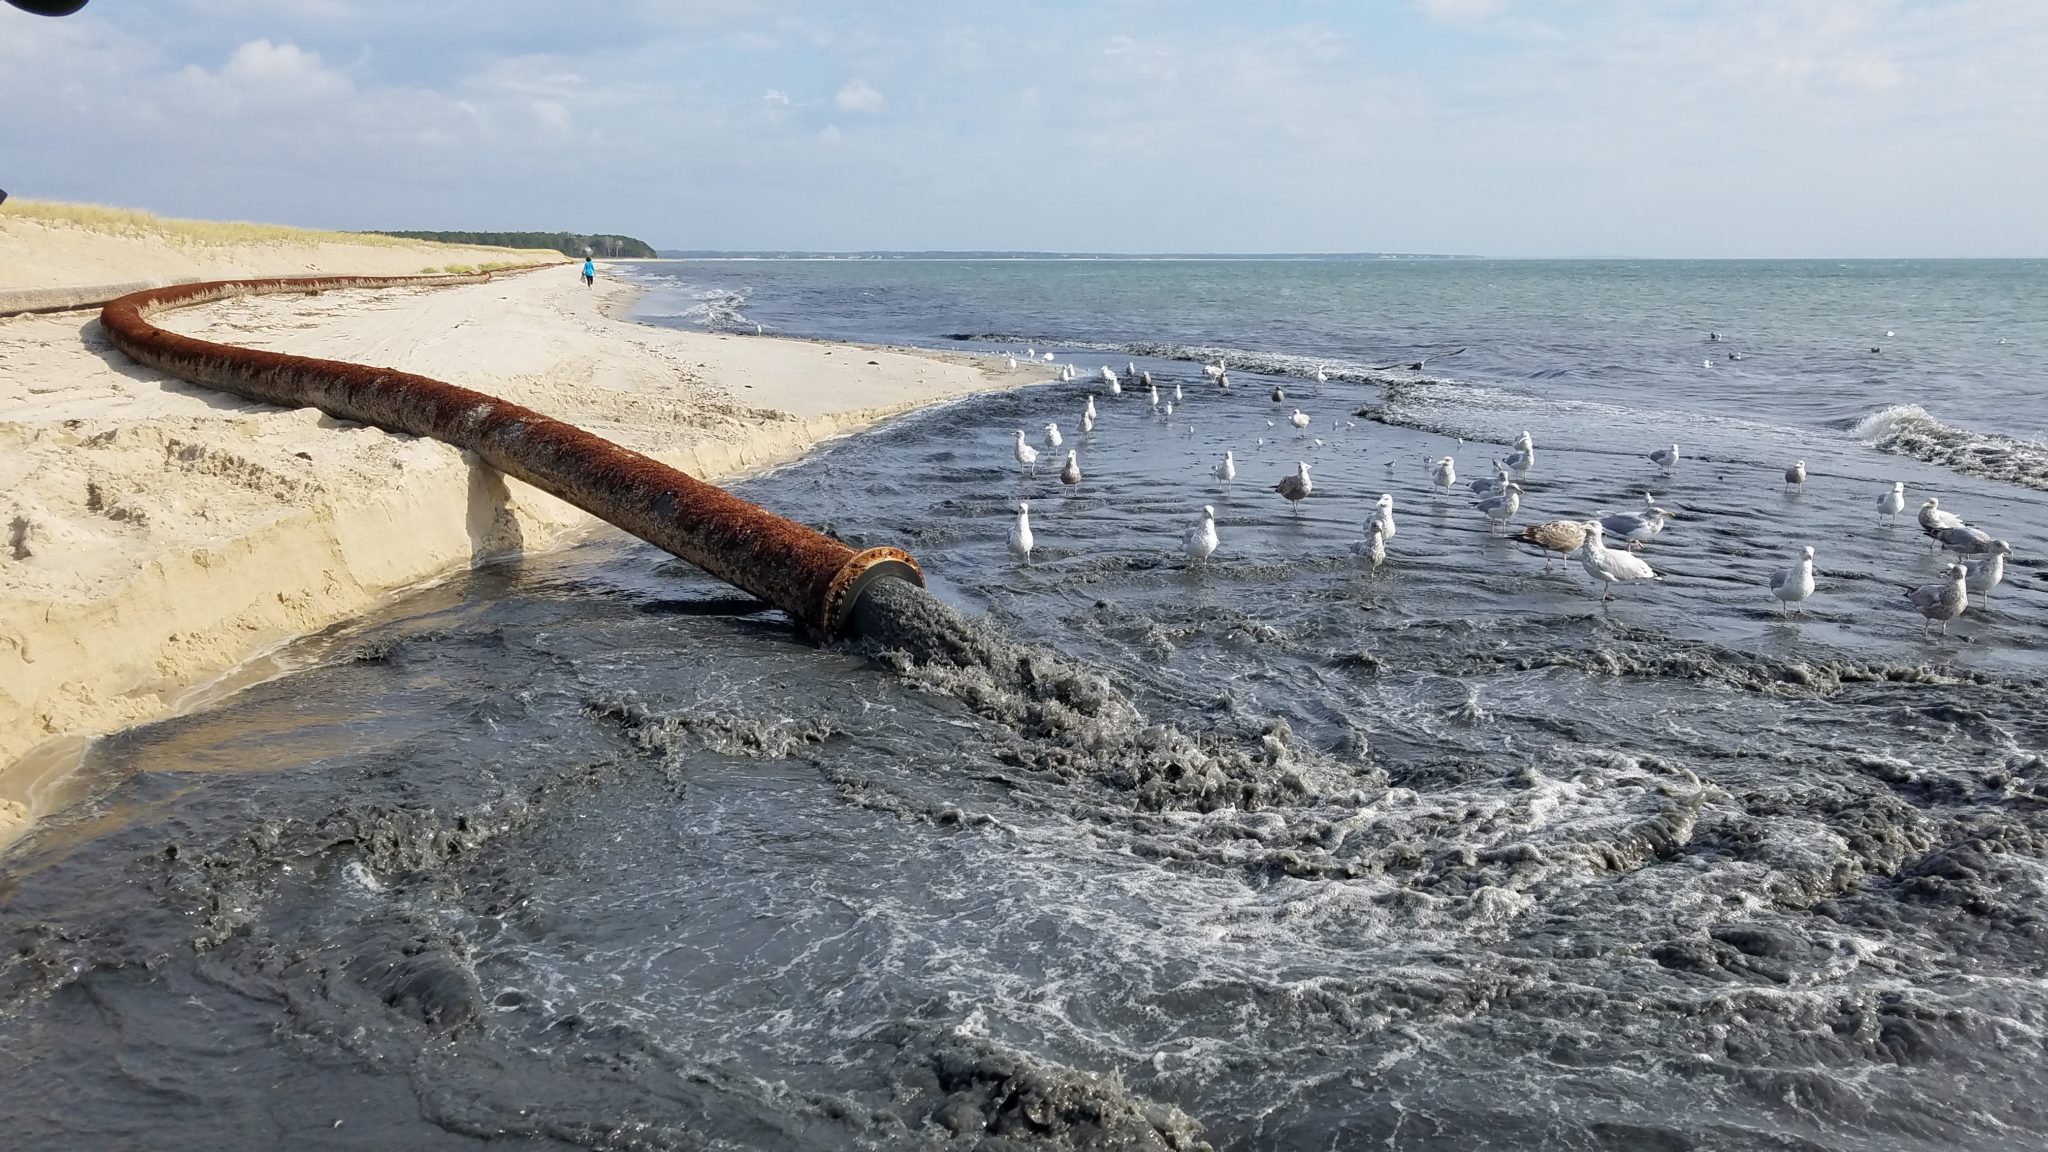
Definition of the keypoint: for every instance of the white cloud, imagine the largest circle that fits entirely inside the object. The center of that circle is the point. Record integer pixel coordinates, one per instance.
(1461, 11)
(552, 116)
(776, 96)
(282, 69)
(859, 97)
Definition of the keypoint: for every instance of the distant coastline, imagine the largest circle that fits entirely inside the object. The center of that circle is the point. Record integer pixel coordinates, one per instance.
(940, 254)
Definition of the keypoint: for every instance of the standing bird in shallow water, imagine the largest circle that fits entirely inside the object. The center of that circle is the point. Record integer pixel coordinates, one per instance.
(1563, 537)
(1108, 374)
(1524, 456)
(1026, 454)
(1052, 435)
(1199, 542)
(1494, 486)
(1893, 502)
(1382, 515)
(1115, 388)
(1501, 509)
(1153, 395)
(1021, 541)
(1227, 470)
(1177, 397)
(1944, 601)
(1299, 419)
(1794, 584)
(1279, 394)
(1071, 474)
(1934, 521)
(1444, 473)
(1608, 566)
(1795, 476)
(1376, 543)
(1983, 573)
(1294, 489)
(1665, 458)
(1636, 527)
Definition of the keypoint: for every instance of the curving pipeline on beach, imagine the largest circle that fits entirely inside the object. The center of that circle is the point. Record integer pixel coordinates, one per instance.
(814, 578)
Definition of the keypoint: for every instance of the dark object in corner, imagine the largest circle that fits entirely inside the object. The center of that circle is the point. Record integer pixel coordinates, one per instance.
(49, 7)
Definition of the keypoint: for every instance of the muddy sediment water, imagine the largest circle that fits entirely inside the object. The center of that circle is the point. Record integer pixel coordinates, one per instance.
(1103, 851)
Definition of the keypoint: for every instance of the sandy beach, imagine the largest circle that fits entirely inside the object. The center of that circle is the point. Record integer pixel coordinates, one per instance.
(161, 538)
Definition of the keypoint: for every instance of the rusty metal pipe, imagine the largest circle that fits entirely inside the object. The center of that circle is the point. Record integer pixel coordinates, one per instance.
(814, 578)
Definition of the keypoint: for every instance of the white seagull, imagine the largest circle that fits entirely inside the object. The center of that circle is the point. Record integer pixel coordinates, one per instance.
(1299, 419)
(1983, 573)
(1052, 435)
(1444, 473)
(1794, 584)
(1071, 474)
(1021, 542)
(1795, 476)
(1026, 454)
(1524, 456)
(1376, 543)
(1383, 515)
(1226, 471)
(1199, 542)
(1501, 509)
(1893, 502)
(1665, 458)
(1108, 374)
(1608, 566)
(1177, 397)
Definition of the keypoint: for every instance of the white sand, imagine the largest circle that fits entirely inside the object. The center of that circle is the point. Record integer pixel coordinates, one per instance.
(155, 536)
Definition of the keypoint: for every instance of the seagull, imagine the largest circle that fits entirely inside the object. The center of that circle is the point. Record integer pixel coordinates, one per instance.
(1088, 421)
(1560, 536)
(1735, 355)
(1608, 566)
(1071, 474)
(1322, 377)
(1943, 601)
(1279, 394)
(1169, 408)
(1116, 387)
(1707, 363)
(1933, 519)
(1794, 584)
(1145, 378)
(1502, 508)
(1295, 488)
(1636, 527)
(1227, 470)
(1048, 357)
(1089, 411)
(1153, 395)
(1444, 473)
(1020, 536)
(1383, 514)
(1177, 397)
(1223, 382)
(1494, 486)
(1316, 443)
(1199, 542)
(1013, 363)
(1967, 541)
(1413, 365)
(1796, 474)
(1026, 454)
(1030, 354)
(1299, 419)
(1108, 374)
(1983, 573)
(1525, 456)
(1213, 371)
(1131, 370)
(1376, 543)
(1665, 458)
(1052, 435)
(1713, 337)
(1893, 502)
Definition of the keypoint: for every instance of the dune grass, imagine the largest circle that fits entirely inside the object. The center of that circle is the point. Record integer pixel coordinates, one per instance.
(132, 222)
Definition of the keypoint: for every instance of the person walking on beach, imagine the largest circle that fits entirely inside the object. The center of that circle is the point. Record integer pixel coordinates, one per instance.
(589, 272)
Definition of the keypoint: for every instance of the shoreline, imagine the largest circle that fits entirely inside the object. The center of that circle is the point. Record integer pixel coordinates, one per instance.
(166, 541)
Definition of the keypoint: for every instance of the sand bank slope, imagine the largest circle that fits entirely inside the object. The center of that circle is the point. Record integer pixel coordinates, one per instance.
(153, 535)
(46, 245)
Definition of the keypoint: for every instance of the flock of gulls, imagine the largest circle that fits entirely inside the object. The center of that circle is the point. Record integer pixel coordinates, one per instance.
(1979, 565)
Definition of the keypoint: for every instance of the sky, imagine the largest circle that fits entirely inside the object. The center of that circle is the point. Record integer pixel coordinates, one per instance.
(1540, 128)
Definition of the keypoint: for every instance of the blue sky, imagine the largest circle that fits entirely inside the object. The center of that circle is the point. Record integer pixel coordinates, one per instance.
(1500, 127)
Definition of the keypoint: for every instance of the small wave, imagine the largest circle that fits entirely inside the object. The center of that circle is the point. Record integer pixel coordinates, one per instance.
(1908, 430)
(1242, 360)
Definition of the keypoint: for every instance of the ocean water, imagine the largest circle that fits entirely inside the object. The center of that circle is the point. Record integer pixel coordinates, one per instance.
(1277, 851)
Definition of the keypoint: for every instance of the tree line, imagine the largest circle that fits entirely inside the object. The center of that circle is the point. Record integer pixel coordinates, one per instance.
(567, 243)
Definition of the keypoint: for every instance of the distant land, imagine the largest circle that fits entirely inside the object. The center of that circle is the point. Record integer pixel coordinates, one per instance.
(722, 254)
(567, 243)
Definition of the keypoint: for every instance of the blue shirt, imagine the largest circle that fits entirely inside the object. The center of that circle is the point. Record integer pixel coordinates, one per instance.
(589, 269)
